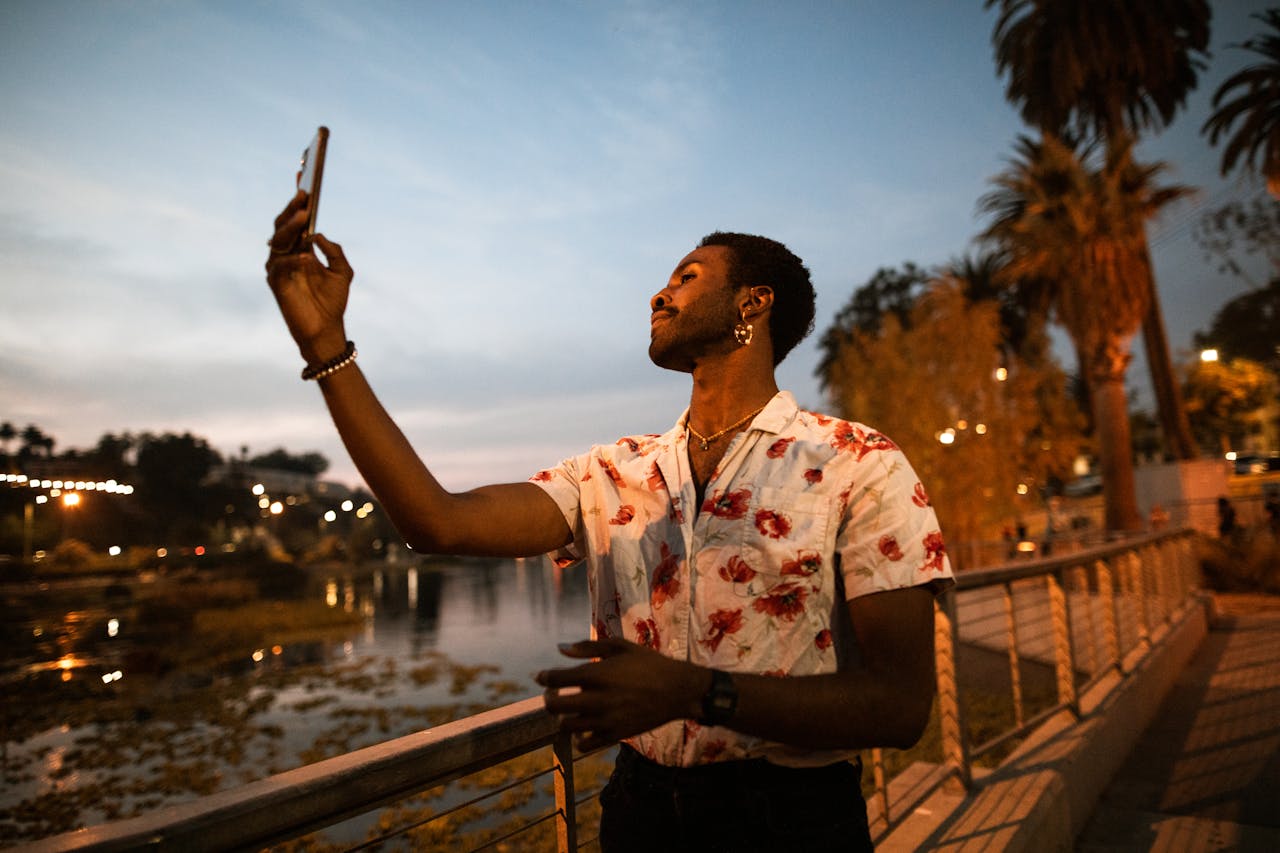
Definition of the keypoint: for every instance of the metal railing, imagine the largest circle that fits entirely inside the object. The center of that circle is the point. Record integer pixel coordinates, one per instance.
(1065, 622)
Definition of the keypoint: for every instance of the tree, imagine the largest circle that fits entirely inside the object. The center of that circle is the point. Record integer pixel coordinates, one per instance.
(1252, 228)
(7, 434)
(282, 460)
(1247, 327)
(1059, 219)
(35, 443)
(889, 292)
(1252, 98)
(1223, 399)
(936, 373)
(171, 474)
(1109, 68)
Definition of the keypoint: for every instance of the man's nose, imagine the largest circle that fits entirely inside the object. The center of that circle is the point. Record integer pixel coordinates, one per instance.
(658, 301)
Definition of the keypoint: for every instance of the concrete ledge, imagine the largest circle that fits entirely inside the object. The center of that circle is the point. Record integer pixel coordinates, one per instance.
(1041, 796)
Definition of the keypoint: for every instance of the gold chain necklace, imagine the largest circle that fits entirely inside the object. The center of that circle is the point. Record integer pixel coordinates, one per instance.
(705, 440)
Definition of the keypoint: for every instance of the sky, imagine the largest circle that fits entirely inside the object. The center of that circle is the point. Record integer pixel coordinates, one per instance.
(511, 181)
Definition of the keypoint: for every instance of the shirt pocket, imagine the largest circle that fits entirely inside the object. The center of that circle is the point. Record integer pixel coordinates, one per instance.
(789, 537)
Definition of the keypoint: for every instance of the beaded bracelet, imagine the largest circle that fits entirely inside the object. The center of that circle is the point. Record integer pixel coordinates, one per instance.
(333, 365)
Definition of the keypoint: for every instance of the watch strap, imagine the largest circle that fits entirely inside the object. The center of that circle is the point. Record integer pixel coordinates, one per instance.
(720, 701)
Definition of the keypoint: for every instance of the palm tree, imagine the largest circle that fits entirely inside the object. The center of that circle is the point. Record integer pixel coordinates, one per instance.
(1252, 97)
(1109, 68)
(1057, 219)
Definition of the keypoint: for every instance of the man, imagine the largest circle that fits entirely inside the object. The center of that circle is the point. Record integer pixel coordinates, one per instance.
(762, 577)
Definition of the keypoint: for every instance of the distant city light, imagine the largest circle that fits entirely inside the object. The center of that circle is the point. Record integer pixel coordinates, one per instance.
(1001, 374)
(330, 516)
(71, 499)
(258, 488)
(1207, 355)
(113, 627)
(199, 550)
(947, 436)
(347, 506)
(277, 508)
(114, 550)
(162, 552)
(980, 429)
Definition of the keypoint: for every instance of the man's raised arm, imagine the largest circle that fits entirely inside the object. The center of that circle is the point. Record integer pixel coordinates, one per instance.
(515, 519)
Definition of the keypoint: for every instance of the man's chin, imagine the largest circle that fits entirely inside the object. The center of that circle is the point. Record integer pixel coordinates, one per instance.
(668, 360)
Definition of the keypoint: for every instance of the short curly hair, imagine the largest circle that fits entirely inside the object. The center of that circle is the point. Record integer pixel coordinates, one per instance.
(755, 260)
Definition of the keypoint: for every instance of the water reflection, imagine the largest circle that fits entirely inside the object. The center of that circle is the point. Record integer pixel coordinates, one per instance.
(239, 675)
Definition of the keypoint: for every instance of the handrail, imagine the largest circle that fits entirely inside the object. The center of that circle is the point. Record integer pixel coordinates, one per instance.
(1100, 605)
(298, 801)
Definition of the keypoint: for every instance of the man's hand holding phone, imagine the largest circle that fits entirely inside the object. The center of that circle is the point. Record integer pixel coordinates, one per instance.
(312, 295)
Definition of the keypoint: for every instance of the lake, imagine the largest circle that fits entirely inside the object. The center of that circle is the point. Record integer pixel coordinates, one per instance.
(122, 696)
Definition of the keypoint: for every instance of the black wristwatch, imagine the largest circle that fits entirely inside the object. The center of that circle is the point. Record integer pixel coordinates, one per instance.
(720, 700)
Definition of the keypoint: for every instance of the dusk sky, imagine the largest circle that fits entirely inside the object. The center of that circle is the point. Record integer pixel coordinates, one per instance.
(511, 181)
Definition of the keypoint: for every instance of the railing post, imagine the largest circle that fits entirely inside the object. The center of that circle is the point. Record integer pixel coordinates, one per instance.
(1140, 594)
(1080, 574)
(1152, 557)
(1015, 670)
(881, 784)
(566, 807)
(955, 746)
(1107, 601)
(1063, 659)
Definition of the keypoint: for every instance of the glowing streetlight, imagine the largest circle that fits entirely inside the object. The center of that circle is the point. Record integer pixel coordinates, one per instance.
(1207, 355)
(71, 499)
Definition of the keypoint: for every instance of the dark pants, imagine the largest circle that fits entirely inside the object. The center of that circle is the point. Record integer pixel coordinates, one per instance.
(732, 806)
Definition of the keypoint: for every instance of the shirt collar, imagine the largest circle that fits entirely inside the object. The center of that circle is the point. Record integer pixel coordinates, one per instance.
(780, 411)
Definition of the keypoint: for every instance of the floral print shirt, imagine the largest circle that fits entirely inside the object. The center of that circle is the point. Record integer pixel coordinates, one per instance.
(803, 512)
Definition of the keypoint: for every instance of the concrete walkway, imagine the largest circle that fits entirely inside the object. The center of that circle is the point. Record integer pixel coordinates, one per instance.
(1205, 776)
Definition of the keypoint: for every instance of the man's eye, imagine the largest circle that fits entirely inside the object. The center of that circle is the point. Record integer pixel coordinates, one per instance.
(687, 277)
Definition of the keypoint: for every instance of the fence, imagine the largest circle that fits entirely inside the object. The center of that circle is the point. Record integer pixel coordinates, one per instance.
(1014, 644)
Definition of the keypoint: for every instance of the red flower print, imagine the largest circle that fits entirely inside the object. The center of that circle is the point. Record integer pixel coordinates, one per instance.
(611, 471)
(821, 420)
(712, 751)
(850, 438)
(934, 551)
(778, 448)
(921, 497)
(805, 563)
(602, 630)
(654, 479)
(647, 633)
(813, 476)
(626, 512)
(728, 504)
(889, 547)
(629, 443)
(786, 601)
(823, 640)
(722, 623)
(737, 570)
(541, 477)
(666, 580)
(775, 525)
(563, 562)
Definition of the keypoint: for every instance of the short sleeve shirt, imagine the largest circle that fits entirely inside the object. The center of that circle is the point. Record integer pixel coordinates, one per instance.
(803, 513)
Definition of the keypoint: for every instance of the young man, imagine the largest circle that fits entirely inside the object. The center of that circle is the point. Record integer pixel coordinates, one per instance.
(762, 577)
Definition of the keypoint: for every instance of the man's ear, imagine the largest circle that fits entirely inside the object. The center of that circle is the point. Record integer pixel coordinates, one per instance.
(757, 300)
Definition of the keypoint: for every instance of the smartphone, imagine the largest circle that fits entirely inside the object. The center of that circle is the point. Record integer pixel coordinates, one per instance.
(310, 172)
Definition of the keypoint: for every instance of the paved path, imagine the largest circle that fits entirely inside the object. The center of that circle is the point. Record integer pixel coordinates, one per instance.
(1206, 775)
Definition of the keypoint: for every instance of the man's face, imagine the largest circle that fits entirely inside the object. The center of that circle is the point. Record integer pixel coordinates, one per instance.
(694, 315)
